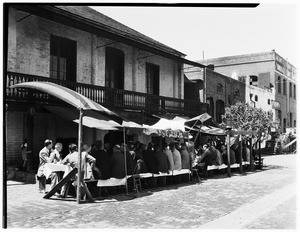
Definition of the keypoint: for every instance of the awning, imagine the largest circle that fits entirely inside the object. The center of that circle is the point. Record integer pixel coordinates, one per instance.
(73, 98)
(167, 128)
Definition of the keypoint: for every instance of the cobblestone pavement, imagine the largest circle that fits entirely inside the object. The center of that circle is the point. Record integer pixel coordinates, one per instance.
(252, 200)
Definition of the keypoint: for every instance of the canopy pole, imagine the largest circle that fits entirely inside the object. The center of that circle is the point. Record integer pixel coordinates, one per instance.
(241, 154)
(228, 156)
(197, 134)
(79, 155)
(124, 140)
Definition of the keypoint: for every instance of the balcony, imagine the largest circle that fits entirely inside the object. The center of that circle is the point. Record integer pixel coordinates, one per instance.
(114, 99)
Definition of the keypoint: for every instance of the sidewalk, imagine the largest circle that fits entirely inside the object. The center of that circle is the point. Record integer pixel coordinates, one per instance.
(185, 206)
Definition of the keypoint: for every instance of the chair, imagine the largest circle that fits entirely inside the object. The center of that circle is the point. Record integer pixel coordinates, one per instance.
(136, 178)
(195, 170)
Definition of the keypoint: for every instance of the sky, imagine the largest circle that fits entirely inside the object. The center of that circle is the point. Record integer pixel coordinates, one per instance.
(216, 32)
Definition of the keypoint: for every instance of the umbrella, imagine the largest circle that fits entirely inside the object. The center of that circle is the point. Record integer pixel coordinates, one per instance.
(82, 103)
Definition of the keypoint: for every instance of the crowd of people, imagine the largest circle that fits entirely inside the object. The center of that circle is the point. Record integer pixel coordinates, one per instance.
(100, 161)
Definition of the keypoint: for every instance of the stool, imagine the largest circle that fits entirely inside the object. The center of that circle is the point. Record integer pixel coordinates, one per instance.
(137, 184)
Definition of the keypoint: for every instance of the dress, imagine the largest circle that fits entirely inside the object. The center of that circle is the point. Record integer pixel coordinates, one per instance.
(169, 155)
(177, 160)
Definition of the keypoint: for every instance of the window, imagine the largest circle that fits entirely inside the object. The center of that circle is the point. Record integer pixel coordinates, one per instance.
(294, 123)
(229, 99)
(291, 119)
(256, 98)
(237, 93)
(114, 68)
(220, 110)
(62, 58)
(152, 79)
(210, 102)
(284, 125)
(279, 84)
(253, 80)
(269, 102)
(284, 87)
(294, 91)
(279, 116)
(219, 88)
(291, 90)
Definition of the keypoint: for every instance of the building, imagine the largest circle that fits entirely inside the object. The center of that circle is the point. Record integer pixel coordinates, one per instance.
(216, 89)
(84, 50)
(272, 74)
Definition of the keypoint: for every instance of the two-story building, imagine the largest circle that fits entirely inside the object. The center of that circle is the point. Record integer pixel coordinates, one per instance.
(271, 73)
(217, 90)
(86, 51)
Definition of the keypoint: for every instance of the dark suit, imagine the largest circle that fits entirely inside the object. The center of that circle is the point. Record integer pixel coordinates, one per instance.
(103, 163)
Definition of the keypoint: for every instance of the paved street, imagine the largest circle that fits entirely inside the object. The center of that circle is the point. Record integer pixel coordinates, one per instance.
(261, 200)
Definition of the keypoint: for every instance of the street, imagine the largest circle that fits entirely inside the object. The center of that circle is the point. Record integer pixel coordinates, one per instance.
(264, 199)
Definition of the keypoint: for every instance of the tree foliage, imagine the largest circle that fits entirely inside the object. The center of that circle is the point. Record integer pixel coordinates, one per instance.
(244, 117)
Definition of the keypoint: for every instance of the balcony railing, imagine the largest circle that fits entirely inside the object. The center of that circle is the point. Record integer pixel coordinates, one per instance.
(108, 97)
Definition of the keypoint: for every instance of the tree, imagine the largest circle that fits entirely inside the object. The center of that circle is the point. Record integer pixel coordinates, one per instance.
(244, 117)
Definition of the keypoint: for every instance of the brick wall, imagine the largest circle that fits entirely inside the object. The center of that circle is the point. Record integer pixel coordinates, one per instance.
(14, 137)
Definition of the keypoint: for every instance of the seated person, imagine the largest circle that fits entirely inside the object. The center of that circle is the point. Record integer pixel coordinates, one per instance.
(185, 157)
(117, 166)
(169, 155)
(102, 161)
(72, 160)
(217, 156)
(205, 160)
(148, 157)
(161, 160)
(129, 161)
(176, 156)
(225, 157)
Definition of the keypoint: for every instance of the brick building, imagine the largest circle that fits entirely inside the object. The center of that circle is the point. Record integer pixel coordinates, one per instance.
(84, 50)
(216, 89)
(269, 72)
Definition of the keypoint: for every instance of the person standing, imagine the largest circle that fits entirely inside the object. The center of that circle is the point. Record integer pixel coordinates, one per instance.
(44, 156)
(24, 154)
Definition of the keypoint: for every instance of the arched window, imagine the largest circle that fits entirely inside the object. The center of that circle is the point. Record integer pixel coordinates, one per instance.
(256, 98)
(284, 87)
(220, 110)
(294, 123)
(229, 99)
(294, 91)
(279, 84)
(291, 120)
(237, 93)
(279, 116)
(219, 88)
(269, 102)
(291, 90)
(284, 125)
(210, 102)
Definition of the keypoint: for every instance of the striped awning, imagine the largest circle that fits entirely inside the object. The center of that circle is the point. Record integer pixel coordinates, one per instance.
(67, 95)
